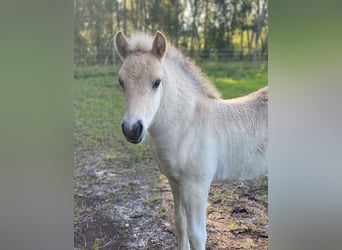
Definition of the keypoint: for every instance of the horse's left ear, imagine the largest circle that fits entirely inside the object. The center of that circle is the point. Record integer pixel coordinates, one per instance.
(159, 45)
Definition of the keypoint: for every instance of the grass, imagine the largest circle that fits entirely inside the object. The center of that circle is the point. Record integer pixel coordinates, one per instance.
(153, 199)
(237, 78)
(98, 111)
(94, 71)
(163, 212)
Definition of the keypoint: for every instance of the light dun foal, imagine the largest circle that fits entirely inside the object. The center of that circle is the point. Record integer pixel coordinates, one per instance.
(195, 137)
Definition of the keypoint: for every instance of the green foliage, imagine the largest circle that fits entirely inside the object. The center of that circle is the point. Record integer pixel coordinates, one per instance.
(193, 25)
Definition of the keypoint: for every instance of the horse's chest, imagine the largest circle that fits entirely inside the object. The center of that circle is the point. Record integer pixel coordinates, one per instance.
(168, 160)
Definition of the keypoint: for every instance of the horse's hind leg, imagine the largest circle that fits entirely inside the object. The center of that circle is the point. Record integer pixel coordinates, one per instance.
(195, 196)
(180, 218)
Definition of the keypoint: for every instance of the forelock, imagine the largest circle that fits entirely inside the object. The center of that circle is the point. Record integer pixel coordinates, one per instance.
(140, 42)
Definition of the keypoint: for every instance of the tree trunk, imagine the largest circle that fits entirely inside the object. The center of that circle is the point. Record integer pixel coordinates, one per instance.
(124, 17)
(145, 14)
(206, 24)
(194, 27)
(260, 21)
(264, 47)
(169, 27)
(139, 14)
(117, 15)
(255, 54)
(133, 18)
(249, 43)
(111, 23)
(241, 43)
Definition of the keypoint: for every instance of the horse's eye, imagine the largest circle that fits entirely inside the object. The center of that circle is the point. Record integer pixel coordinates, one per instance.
(121, 83)
(156, 84)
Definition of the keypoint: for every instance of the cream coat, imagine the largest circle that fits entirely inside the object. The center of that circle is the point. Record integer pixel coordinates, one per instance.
(195, 136)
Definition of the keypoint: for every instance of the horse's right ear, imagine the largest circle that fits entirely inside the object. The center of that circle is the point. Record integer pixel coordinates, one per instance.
(121, 45)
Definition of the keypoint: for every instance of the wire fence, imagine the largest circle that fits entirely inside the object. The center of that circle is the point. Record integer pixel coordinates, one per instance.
(109, 57)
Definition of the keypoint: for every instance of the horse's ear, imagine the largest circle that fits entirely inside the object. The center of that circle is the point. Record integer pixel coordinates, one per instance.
(121, 45)
(159, 45)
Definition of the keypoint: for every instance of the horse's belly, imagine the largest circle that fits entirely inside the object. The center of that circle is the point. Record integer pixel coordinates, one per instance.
(243, 169)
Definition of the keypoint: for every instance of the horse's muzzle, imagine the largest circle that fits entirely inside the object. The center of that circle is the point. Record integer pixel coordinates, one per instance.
(133, 133)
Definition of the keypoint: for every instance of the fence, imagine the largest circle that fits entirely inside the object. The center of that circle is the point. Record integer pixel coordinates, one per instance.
(108, 56)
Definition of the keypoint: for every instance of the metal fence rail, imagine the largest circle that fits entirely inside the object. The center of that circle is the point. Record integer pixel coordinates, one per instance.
(108, 56)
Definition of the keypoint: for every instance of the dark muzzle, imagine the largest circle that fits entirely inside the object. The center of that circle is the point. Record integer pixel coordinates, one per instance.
(133, 133)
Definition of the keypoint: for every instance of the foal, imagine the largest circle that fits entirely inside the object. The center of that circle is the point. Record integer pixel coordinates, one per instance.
(195, 137)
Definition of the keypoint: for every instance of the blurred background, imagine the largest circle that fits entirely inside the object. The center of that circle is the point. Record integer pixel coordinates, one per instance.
(220, 30)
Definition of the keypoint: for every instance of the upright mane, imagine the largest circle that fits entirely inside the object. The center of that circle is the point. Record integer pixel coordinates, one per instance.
(141, 42)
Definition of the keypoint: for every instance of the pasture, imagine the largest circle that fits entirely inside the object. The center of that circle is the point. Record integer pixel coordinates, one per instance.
(121, 199)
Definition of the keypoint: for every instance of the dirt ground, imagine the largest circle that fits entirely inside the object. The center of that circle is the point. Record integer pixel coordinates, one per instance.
(128, 205)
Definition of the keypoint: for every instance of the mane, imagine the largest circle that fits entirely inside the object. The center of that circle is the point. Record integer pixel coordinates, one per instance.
(141, 42)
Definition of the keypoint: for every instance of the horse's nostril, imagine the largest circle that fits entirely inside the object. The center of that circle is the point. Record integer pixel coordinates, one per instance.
(139, 128)
(134, 132)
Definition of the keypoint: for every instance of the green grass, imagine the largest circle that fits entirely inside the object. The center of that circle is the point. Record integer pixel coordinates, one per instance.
(97, 105)
(98, 111)
(94, 71)
(237, 78)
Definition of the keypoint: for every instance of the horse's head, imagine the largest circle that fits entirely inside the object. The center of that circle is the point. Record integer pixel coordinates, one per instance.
(140, 77)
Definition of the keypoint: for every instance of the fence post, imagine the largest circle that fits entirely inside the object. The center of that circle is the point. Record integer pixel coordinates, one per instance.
(113, 54)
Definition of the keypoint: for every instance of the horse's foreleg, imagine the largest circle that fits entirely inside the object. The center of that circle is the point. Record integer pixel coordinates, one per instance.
(180, 218)
(195, 195)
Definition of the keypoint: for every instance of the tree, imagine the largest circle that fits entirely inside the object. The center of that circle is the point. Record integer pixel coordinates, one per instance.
(196, 24)
(259, 20)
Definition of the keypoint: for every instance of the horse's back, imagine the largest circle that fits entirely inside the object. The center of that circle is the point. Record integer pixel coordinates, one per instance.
(258, 98)
(261, 95)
